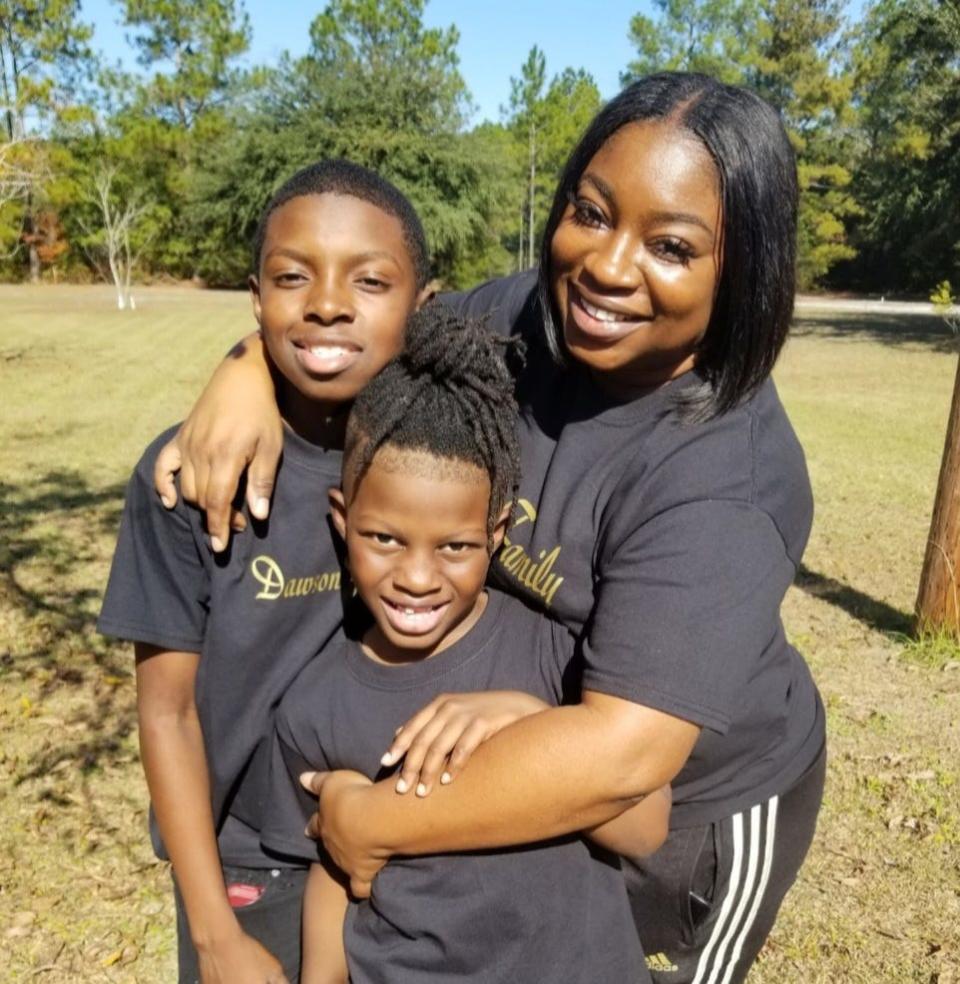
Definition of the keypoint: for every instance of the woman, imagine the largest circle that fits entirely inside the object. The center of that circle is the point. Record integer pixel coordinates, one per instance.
(664, 509)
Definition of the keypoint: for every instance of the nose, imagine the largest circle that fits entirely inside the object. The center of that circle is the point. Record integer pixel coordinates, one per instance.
(615, 263)
(329, 301)
(416, 574)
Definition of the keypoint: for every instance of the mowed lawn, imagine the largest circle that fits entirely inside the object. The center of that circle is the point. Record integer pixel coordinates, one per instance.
(85, 387)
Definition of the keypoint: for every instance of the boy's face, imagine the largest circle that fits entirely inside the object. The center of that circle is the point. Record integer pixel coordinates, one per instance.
(416, 535)
(335, 288)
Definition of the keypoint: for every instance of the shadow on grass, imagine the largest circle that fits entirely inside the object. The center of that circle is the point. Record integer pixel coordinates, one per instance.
(887, 329)
(875, 614)
(56, 533)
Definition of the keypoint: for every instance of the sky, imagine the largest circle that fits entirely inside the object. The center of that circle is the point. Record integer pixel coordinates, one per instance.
(495, 37)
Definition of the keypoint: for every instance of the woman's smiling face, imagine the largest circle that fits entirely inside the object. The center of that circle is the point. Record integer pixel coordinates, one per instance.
(635, 258)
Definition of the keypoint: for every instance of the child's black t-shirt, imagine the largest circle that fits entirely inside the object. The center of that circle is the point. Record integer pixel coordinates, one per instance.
(256, 614)
(669, 545)
(555, 911)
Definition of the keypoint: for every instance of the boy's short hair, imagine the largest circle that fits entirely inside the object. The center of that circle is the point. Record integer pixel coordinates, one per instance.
(449, 394)
(337, 176)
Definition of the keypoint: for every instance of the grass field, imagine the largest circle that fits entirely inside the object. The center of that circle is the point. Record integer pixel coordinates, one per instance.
(84, 389)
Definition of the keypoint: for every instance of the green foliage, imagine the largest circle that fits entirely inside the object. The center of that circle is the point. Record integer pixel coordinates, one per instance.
(44, 58)
(906, 70)
(197, 39)
(544, 124)
(718, 37)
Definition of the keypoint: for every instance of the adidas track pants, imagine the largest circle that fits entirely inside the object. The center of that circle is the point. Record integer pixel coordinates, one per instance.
(706, 901)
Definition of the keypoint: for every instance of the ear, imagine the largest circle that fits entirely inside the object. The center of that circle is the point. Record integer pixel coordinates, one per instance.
(338, 511)
(253, 284)
(500, 529)
(427, 294)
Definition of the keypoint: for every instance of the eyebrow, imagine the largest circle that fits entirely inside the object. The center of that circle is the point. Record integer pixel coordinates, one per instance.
(293, 254)
(606, 193)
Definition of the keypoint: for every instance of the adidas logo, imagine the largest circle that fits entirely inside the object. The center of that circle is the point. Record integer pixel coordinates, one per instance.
(661, 962)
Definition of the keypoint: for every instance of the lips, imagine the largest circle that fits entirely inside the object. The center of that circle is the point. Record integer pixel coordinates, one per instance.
(413, 620)
(326, 357)
(600, 323)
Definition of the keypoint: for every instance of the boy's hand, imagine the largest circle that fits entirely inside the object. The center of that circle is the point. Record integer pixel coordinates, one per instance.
(238, 959)
(235, 425)
(437, 742)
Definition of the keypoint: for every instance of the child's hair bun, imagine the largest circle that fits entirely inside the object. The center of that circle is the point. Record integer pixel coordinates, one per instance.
(459, 350)
(450, 394)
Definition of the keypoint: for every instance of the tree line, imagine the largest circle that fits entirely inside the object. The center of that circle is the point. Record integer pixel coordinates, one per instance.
(162, 171)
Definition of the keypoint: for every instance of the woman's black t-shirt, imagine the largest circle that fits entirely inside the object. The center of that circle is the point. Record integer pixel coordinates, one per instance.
(669, 547)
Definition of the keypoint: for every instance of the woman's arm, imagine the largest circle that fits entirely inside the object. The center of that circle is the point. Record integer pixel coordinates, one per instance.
(517, 790)
(234, 424)
(324, 908)
(172, 750)
(639, 831)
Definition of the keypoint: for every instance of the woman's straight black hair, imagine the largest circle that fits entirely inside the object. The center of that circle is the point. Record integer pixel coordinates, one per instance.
(449, 394)
(758, 186)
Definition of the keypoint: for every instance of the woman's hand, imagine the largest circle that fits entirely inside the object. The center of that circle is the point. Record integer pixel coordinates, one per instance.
(238, 959)
(338, 822)
(235, 425)
(439, 739)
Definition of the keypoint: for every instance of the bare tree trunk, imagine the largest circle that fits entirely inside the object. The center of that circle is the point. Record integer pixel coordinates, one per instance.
(530, 199)
(938, 600)
(520, 240)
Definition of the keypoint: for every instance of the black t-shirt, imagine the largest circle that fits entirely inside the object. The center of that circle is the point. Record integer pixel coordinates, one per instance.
(555, 912)
(257, 614)
(669, 547)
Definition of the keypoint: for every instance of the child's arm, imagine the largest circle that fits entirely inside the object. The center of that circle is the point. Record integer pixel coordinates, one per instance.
(172, 750)
(324, 907)
(639, 831)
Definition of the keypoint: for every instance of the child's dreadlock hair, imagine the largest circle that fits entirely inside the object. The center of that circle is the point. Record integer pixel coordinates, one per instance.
(450, 394)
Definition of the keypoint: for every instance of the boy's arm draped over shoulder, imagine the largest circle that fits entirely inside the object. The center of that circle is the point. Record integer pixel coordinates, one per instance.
(234, 425)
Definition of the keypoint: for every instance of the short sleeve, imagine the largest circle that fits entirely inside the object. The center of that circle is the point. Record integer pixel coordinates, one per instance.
(505, 302)
(560, 665)
(158, 591)
(289, 806)
(687, 605)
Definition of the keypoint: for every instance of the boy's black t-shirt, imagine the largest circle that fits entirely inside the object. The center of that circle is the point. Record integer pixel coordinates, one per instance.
(669, 546)
(256, 614)
(555, 912)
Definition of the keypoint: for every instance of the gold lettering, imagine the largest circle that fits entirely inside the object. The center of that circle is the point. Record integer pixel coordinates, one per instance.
(266, 570)
(508, 557)
(274, 585)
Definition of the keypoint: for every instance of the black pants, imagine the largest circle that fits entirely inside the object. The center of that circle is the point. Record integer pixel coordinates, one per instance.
(273, 919)
(707, 900)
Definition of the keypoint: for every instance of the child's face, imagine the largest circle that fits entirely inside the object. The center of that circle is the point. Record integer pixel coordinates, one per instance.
(416, 535)
(335, 288)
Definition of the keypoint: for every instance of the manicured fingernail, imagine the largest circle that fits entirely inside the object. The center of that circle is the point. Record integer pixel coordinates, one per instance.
(446, 778)
(306, 778)
(388, 758)
(216, 543)
(261, 508)
(167, 501)
(402, 786)
(421, 789)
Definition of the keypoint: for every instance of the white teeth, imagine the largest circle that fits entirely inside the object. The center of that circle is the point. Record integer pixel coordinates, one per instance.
(599, 313)
(328, 351)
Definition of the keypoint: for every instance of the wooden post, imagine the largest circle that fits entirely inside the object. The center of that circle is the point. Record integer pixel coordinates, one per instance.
(938, 600)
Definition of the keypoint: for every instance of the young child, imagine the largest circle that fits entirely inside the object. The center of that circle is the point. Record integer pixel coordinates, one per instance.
(341, 262)
(429, 472)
